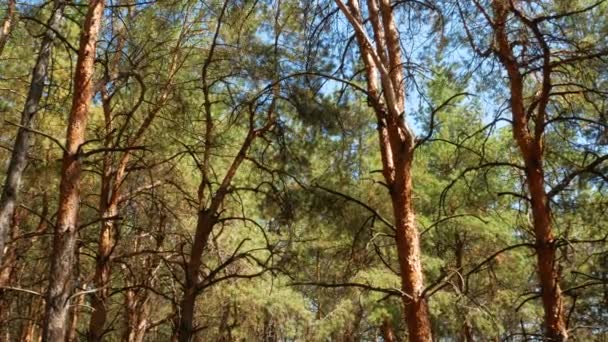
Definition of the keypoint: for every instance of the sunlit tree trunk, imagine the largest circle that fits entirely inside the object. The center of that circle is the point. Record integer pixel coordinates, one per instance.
(384, 72)
(64, 242)
(530, 143)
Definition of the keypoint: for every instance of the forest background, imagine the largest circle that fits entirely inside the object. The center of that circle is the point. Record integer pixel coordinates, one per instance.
(304, 170)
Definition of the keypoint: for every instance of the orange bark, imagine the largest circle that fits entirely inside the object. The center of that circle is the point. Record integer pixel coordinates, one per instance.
(64, 243)
(530, 144)
(384, 73)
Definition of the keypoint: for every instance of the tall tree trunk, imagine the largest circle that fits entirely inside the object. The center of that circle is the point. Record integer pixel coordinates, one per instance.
(530, 144)
(384, 72)
(7, 24)
(208, 214)
(64, 242)
(12, 184)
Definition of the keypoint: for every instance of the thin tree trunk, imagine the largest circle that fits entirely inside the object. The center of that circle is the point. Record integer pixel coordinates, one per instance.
(28, 328)
(9, 263)
(138, 316)
(531, 147)
(64, 244)
(7, 24)
(108, 207)
(102, 273)
(466, 333)
(27, 331)
(15, 250)
(73, 319)
(207, 218)
(7, 272)
(388, 335)
(113, 176)
(14, 174)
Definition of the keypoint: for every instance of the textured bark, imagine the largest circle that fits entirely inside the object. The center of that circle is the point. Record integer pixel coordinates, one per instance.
(386, 91)
(7, 24)
(408, 250)
(530, 144)
(64, 242)
(18, 162)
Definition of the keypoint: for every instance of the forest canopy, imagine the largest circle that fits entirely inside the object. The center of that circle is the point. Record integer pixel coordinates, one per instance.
(303, 170)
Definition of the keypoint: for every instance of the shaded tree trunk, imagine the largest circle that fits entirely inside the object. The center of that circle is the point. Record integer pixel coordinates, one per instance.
(7, 272)
(18, 162)
(64, 242)
(208, 211)
(206, 221)
(530, 143)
